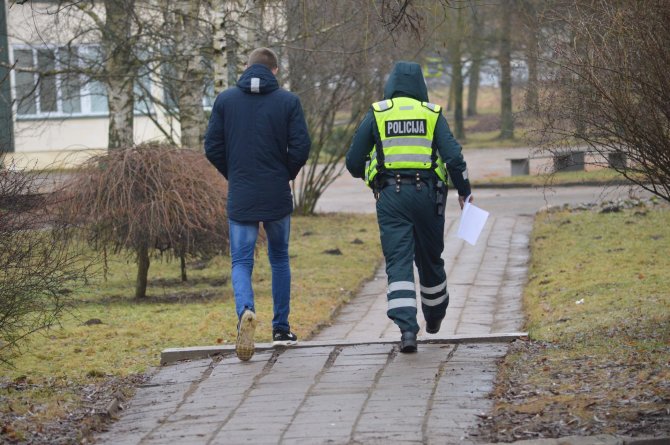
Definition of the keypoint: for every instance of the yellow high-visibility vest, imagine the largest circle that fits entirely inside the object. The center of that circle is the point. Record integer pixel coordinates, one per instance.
(405, 130)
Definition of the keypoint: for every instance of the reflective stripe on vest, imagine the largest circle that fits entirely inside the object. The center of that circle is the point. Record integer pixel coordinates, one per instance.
(406, 129)
(382, 105)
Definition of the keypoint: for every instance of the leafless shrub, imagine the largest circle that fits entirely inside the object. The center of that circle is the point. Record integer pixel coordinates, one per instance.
(150, 199)
(607, 86)
(36, 262)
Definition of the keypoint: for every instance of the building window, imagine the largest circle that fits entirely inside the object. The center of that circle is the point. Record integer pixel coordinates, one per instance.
(61, 82)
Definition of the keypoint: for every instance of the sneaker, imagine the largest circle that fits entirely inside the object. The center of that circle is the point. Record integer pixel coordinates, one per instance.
(244, 347)
(408, 342)
(433, 326)
(283, 338)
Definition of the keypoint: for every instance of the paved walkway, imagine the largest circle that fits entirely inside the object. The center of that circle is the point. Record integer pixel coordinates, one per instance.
(365, 394)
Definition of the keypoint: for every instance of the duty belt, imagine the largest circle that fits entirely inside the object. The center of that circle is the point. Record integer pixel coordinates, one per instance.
(416, 181)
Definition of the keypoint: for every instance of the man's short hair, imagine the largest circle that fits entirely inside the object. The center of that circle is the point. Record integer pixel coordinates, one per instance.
(264, 56)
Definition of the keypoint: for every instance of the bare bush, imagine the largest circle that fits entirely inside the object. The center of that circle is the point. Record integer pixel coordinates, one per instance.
(607, 86)
(150, 199)
(36, 262)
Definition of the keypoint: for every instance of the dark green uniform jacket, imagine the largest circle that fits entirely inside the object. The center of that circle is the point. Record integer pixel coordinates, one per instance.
(406, 80)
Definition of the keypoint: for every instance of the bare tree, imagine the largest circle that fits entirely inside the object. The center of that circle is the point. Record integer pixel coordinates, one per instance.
(121, 68)
(37, 264)
(505, 60)
(181, 48)
(529, 14)
(337, 55)
(455, 36)
(147, 199)
(173, 42)
(609, 67)
(239, 27)
(475, 42)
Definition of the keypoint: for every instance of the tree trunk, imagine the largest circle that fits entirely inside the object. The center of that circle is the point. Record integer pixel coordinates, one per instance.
(231, 55)
(455, 53)
(193, 38)
(473, 85)
(121, 71)
(505, 60)
(143, 263)
(226, 44)
(532, 55)
(450, 97)
(531, 91)
(457, 81)
(219, 59)
(254, 25)
(476, 48)
(182, 263)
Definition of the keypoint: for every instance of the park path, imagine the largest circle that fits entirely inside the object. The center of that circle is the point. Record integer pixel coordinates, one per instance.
(366, 393)
(359, 389)
(484, 283)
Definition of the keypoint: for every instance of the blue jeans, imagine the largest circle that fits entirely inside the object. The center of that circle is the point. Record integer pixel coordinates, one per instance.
(243, 237)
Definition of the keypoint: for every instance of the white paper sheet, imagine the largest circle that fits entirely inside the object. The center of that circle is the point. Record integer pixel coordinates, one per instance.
(472, 222)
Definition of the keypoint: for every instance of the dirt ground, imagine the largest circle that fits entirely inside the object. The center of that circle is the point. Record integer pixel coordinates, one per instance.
(528, 411)
(101, 403)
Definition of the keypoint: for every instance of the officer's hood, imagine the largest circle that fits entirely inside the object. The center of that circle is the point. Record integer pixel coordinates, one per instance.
(406, 79)
(257, 79)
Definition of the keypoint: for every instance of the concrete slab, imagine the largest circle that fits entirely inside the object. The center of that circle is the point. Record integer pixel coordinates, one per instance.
(173, 355)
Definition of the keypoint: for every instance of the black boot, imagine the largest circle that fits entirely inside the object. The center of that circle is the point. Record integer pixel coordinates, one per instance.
(433, 326)
(408, 342)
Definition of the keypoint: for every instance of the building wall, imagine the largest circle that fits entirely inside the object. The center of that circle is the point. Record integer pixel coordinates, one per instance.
(66, 143)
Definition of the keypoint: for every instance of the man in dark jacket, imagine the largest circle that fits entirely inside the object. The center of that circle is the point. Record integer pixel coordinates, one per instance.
(257, 138)
(401, 149)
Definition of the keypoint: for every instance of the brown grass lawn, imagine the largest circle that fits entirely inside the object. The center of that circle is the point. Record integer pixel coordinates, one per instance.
(57, 387)
(598, 313)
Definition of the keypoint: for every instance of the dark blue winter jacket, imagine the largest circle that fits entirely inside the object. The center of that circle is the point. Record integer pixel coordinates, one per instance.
(257, 138)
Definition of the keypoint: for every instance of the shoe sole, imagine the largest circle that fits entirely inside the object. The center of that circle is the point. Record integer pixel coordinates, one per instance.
(244, 348)
(285, 343)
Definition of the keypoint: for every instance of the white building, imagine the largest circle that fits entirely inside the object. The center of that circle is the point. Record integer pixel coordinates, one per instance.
(59, 120)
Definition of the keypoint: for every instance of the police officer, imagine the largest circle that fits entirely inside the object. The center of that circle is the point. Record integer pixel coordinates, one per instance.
(400, 149)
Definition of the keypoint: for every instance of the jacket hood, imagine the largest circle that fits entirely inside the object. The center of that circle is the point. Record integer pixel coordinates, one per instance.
(406, 79)
(257, 79)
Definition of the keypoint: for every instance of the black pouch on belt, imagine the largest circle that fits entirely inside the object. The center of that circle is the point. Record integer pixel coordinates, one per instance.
(440, 197)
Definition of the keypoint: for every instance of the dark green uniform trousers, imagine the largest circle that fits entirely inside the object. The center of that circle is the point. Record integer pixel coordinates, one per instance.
(412, 231)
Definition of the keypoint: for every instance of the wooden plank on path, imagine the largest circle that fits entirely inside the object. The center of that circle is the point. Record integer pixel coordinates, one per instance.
(172, 355)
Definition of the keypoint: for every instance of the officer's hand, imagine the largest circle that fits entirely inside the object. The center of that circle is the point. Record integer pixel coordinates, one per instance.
(461, 200)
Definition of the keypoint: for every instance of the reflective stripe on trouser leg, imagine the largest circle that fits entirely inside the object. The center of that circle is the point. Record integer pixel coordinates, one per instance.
(396, 227)
(434, 301)
(401, 300)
